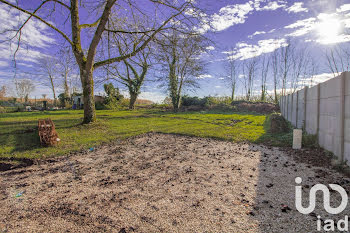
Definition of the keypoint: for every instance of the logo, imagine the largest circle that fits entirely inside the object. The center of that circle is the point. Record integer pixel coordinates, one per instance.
(326, 198)
(329, 224)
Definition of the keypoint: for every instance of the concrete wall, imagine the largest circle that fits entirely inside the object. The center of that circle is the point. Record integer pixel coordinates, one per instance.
(329, 134)
(301, 108)
(290, 107)
(294, 106)
(311, 110)
(323, 110)
(347, 118)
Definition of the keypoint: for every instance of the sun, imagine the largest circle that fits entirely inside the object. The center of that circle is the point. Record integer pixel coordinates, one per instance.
(328, 29)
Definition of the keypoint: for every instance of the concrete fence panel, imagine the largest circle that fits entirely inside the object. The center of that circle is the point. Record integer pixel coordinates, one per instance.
(347, 118)
(301, 108)
(311, 110)
(290, 108)
(323, 110)
(294, 109)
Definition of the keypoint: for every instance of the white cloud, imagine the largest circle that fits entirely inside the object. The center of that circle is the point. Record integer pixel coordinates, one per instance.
(302, 23)
(245, 51)
(256, 33)
(303, 27)
(34, 36)
(231, 15)
(274, 5)
(210, 48)
(203, 76)
(326, 28)
(334, 40)
(296, 8)
(343, 8)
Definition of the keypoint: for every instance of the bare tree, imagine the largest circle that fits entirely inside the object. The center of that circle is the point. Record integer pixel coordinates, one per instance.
(179, 55)
(3, 91)
(24, 87)
(232, 72)
(285, 64)
(338, 59)
(48, 67)
(299, 63)
(275, 73)
(265, 65)
(66, 66)
(312, 70)
(249, 70)
(102, 10)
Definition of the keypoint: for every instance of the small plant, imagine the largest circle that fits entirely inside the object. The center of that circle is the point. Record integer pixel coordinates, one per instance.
(114, 97)
(309, 140)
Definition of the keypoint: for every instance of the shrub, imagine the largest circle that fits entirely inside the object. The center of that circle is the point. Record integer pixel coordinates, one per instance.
(114, 97)
(309, 140)
(195, 101)
(278, 124)
(99, 106)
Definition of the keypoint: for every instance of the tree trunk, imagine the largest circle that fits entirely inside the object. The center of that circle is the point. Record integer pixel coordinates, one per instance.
(263, 93)
(133, 97)
(275, 91)
(66, 88)
(53, 91)
(88, 93)
(233, 92)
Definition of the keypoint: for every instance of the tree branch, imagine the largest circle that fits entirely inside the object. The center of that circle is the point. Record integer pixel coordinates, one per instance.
(98, 33)
(133, 53)
(131, 32)
(90, 25)
(39, 18)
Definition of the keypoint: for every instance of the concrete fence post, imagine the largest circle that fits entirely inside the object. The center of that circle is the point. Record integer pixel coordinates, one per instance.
(342, 116)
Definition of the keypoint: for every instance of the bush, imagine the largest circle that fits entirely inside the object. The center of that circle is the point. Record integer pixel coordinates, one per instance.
(99, 106)
(310, 140)
(278, 124)
(187, 101)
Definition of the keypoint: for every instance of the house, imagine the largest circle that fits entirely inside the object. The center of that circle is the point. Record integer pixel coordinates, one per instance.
(78, 101)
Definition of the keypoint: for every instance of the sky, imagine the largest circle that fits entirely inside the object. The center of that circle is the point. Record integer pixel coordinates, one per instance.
(240, 29)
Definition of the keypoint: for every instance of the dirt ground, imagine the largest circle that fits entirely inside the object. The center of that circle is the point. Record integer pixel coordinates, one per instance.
(164, 183)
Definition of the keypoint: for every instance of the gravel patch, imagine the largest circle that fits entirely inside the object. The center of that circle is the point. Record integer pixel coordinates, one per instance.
(164, 183)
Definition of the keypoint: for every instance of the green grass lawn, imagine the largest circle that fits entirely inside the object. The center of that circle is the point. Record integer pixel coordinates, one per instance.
(19, 137)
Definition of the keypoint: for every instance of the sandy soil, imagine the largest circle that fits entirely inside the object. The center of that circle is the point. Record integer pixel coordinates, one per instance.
(163, 183)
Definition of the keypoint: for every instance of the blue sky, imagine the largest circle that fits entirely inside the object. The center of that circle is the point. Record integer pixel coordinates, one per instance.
(241, 29)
